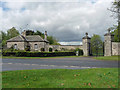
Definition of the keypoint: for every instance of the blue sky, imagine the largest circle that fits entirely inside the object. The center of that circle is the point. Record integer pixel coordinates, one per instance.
(68, 22)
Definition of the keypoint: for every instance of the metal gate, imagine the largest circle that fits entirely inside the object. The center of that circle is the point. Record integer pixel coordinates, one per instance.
(97, 51)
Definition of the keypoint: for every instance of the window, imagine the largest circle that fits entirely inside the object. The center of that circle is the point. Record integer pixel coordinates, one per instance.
(36, 47)
(15, 46)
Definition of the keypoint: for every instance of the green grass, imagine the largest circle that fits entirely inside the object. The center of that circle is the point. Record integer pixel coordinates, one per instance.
(40, 57)
(107, 58)
(61, 78)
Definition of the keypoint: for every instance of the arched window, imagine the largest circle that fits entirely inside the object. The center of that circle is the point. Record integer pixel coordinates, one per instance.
(36, 47)
(15, 46)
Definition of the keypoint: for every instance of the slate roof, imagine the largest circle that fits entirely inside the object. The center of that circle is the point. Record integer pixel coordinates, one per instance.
(17, 39)
(29, 38)
(34, 38)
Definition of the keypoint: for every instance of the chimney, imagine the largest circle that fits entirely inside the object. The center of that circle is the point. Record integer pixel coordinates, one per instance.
(24, 33)
(45, 38)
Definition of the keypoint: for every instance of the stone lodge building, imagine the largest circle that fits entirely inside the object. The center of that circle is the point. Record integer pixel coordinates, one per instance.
(32, 42)
(37, 43)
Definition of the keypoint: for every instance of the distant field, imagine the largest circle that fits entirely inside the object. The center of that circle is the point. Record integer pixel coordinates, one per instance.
(108, 58)
(61, 78)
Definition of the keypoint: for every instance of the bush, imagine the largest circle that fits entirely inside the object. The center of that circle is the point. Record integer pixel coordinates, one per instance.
(37, 54)
(56, 50)
(42, 49)
(80, 52)
(50, 49)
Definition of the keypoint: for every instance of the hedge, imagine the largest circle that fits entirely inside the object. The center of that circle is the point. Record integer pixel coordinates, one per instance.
(37, 54)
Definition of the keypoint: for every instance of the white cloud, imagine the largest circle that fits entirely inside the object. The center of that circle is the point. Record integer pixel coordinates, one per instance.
(65, 21)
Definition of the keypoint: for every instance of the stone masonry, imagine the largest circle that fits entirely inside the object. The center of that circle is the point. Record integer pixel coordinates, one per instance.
(36, 43)
(110, 47)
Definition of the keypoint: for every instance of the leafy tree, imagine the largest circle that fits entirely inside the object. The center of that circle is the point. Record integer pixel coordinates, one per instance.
(12, 33)
(116, 34)
(4, 35)
(80, 51)
(39, 33)
(115, 8)
(116, 13)
(96, 45)
(4, 38)
(0, 40)
(52, 40)
(50, 49)
(29, 32)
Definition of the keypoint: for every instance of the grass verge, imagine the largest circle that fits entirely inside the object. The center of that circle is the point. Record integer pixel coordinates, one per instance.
(108, 58)
(61, 78)
(40, 57)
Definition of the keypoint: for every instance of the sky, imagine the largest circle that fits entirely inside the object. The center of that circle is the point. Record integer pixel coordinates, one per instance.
(66, 20)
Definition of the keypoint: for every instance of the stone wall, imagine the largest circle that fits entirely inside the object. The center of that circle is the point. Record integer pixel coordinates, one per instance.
(20, 45)
(40, 45)
(65, 47)
(115, 48)
(110, 47)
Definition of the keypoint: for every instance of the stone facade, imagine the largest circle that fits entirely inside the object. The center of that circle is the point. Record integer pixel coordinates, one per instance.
(65, 47)
(110, 47)
(40, 45)
(36, 43)
(20, 45)
(33, 42)
(115, 48)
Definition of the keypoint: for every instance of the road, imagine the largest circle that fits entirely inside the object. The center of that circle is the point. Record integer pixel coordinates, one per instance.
(56, 63)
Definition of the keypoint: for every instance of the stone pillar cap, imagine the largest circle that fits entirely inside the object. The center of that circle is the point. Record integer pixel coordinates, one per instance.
(86, 37)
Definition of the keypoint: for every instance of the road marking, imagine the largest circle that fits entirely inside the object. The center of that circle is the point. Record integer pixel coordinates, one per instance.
(9, 63)
(49, 65)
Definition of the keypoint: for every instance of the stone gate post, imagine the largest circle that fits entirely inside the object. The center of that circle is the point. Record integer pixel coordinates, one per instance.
(86, 45)
(108, 38)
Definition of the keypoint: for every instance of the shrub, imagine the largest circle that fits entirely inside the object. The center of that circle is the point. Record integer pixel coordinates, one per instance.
(56, 50)
(80, 52)
(42, 49)
(50, 49)
(37, 54)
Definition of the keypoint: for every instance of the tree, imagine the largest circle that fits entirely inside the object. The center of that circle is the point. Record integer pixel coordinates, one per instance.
(52, 40)
(12, 33)
(116, 34)
(29, 32)
(39, 33)
(115, 8)
(4, 35)
(116, 13)
(4, 38)
(0, 40)
(96, 45)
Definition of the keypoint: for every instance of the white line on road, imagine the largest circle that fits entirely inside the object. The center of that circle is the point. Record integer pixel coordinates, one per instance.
(49, 65)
